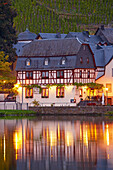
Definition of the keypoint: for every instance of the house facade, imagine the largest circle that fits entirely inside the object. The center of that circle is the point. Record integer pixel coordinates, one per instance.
(48, 70)
(54, 66)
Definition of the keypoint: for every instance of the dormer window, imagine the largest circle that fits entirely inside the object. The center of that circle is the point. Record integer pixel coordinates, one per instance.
(63, 61)
(81, 60)
(87, 59)
(28, 62)
(46, 61)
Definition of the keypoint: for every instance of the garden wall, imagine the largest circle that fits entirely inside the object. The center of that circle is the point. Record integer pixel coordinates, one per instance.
(72, 110)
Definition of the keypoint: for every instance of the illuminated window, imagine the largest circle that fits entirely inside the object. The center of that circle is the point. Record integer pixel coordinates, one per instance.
(45, 74)
(60, 74)
(80, 74)
(60, 92)
(87, 59)
(29, 93)
(109, 86)
(80, 93)
(28, 62)
(45, 93)
(88, 74)
(29, 75)
(81, 60)
(46, 62)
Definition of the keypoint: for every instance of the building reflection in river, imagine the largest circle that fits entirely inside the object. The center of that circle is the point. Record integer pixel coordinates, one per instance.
(46, 144)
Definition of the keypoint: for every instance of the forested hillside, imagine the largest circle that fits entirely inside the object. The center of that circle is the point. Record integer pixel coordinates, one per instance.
(62, 15)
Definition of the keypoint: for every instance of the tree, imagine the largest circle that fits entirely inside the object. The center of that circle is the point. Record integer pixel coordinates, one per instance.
(7, 79)
(7, 31)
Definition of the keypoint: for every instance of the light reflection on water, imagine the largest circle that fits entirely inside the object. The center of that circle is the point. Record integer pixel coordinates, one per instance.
(51, 144)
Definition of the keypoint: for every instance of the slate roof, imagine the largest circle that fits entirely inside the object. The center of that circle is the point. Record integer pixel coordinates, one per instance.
(18, 47)
(108, 53)
(51, 35)
(26, 35)
(107, 33)
(38, 63)
(55, 47)
(100, 74)
(98, 55)
(102, 55)
(85, 37)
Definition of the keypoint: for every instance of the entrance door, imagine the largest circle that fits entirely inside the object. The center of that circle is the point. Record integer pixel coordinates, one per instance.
(109, 101)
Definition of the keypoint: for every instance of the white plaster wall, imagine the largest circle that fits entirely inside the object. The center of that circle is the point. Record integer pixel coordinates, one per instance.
(70, 92)
(107, 78)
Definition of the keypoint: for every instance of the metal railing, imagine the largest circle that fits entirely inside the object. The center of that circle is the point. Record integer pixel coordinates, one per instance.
(54, 104)
(13, 106)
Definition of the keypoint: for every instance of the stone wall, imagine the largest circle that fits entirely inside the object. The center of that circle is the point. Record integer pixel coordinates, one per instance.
(72, 110)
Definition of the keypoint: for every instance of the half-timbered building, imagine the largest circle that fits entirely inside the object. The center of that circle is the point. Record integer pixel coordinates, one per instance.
(54, 65)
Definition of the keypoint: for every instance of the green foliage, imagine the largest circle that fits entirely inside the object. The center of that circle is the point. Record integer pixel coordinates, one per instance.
(32, 86)
(7, 31)
(36, 103)
(89, 85)
(7, 80)
(61, 15)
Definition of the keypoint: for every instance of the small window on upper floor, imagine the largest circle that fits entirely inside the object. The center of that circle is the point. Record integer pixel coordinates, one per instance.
(84, 47)
(46, 61)
(28, 62)
(112, 72)
(80, 73)
(87, 59)
(63, 61)
(81, 60)
(88, 74)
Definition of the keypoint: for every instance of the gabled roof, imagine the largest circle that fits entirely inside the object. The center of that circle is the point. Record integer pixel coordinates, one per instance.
(84, 36)
(55, 47)
(102, 54)
(26, 35)
(38, 63)
(50, 35)
(105, 33)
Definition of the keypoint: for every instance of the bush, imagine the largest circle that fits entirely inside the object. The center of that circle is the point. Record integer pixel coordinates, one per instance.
(36, 103)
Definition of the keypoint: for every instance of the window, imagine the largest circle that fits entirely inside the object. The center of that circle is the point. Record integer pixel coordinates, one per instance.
(28, 62)
(109, 86)
(80, 73)
(45, 74)
(60, 74)
(60, 92)
(46, 61)
(29, 93)
(45, 93)
(88, 74)
(112, 72)
(63, 61)
(81, 60)
(87, 59)
(29, 75)
(84, 47)
(80, 93)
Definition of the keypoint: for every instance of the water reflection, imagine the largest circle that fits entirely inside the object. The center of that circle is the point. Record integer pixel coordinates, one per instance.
(44, 145)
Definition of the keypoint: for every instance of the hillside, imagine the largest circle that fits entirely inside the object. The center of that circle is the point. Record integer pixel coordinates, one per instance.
(62, 15)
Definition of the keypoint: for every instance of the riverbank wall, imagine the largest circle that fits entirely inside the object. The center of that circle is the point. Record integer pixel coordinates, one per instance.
(78, 110)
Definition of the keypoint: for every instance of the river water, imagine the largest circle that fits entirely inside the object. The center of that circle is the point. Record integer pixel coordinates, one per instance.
(58, 143)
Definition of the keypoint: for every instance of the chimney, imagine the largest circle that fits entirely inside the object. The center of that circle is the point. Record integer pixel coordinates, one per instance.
(102, 27)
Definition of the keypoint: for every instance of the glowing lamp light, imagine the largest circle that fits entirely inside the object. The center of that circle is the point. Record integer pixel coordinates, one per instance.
(17, 85)
(106, 89)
